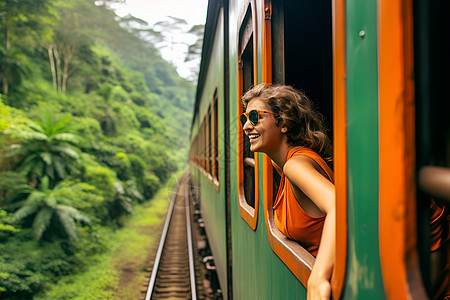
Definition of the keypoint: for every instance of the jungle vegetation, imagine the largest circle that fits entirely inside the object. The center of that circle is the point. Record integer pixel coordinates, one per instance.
(92, 123)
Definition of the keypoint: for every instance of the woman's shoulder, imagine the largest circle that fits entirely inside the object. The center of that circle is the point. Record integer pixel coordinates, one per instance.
(298, 163)
(301, 150)
(301, 159)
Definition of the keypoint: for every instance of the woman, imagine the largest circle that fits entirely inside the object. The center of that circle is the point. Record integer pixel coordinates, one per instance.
(280, 121)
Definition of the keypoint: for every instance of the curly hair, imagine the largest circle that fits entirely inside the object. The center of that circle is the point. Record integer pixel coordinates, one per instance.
(294, 110)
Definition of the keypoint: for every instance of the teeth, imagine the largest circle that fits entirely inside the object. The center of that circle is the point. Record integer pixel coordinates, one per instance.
(253, 136)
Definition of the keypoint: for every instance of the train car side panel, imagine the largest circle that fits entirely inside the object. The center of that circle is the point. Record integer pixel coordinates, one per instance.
(213, 195)
(363, 270)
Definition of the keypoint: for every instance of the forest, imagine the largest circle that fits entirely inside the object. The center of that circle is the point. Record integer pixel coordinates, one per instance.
(93, 123)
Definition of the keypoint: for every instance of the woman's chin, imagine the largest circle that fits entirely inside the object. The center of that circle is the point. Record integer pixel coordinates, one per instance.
(253, 148)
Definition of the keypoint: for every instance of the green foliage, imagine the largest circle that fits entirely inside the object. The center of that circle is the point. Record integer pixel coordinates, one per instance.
(49, 149)
(123, 167)
(28, 271)
(84, 197)
(128, 104)
(150, 184)
(102, 178)
(18, 281)
(5, 228)
(48, 214)
(13, 67)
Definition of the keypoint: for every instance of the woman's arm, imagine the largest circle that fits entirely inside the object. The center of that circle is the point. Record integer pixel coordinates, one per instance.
(301, 172)
(319, 286)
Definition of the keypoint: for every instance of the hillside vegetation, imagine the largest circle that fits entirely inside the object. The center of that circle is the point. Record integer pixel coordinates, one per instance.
(92, 123)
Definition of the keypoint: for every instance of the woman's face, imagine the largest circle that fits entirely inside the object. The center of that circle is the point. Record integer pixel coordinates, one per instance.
(265, 136)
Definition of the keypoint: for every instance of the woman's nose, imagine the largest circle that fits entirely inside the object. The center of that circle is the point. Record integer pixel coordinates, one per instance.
(247, 125)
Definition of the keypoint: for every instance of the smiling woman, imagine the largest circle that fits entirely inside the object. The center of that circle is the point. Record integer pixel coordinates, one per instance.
(286, 128)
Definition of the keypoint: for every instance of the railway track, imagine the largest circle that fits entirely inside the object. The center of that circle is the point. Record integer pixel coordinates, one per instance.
(179, 271)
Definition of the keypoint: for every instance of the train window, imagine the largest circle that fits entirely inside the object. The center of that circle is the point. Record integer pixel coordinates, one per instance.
(247, 161)
(209, 143)
(432, 64)
(216, 138)
(301, 56)
(414, 110)
(204, 143)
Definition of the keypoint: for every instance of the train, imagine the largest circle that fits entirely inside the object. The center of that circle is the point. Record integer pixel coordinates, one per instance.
(378, 71)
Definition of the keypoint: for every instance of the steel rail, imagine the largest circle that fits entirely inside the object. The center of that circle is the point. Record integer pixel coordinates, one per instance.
(162, 241)
(189, 242)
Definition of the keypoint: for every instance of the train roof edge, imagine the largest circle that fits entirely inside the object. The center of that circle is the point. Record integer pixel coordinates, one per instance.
(210, 25)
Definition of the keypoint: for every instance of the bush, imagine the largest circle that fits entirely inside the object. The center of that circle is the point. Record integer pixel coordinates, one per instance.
(85, 198)
(151, 185)
(102, 178)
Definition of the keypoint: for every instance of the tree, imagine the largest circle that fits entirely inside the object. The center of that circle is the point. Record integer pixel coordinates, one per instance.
(42, 205)
(12, 67)
(49, 149)
(17, 17)
(170, 29)
(68, 39)
(195, 50)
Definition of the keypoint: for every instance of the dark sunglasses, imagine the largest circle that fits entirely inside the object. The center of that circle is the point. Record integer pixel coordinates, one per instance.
(253, 116)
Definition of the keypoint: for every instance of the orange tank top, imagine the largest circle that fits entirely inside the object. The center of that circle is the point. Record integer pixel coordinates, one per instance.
(439, 232)
(290, 217)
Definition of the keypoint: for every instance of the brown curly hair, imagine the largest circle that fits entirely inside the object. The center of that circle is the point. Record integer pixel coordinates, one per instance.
(294, 110)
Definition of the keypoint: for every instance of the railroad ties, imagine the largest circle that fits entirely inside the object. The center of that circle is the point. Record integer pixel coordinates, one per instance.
(178, 271)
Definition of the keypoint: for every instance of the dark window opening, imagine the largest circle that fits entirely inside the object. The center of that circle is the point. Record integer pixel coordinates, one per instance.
(209, 145)
(247, 67)
(216, 137)
(302, 53)
(432, 97)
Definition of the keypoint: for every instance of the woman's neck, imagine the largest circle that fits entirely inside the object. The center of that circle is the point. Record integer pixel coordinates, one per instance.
(280, 154)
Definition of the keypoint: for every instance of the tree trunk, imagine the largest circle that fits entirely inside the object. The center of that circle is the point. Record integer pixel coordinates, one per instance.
(8, 46)
(5, 85)
(58, 69)
(8, 38)
(65, 75)
(52, 65)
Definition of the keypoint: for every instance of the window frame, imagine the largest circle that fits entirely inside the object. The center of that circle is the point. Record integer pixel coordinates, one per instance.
(247, 212)
(294, 256)
(215, 140)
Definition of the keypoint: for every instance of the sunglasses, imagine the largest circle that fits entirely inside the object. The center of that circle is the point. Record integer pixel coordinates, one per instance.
(253, 116)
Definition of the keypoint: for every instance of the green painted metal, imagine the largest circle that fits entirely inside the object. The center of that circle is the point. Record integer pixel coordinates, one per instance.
(364, 279)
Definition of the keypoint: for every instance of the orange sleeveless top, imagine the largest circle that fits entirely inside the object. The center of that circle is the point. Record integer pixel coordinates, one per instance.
(439, 232)
(290, 217)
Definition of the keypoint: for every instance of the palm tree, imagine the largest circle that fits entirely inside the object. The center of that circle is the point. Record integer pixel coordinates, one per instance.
(47, 214)
(49, 149)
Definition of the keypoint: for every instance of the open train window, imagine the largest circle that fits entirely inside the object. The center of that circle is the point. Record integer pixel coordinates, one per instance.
(209, 153)
(215, 128)
(247, 161)
(414, 105)
(301, 46)
(432, 65)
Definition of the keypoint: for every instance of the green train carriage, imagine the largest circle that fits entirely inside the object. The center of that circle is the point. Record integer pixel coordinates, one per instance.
(377, 71)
